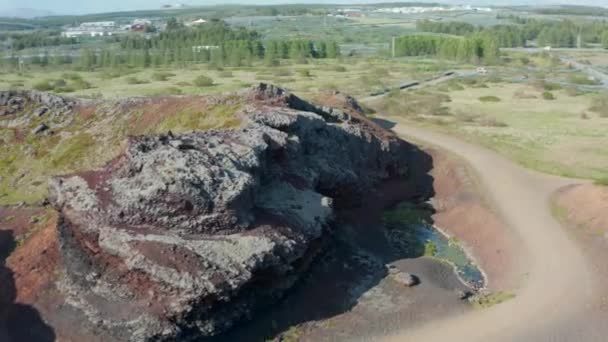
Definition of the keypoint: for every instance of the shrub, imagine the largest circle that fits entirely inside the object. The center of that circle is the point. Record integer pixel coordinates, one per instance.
(135, 80)
(583, 79)
(45, 85)
(339, 68)
(489, 99)
(167, 91)
(80, 84)
(602, 181)
(203, 81)
(548, 86)
(547, 95)
(71, 76)
(304, 73)
(162, 76)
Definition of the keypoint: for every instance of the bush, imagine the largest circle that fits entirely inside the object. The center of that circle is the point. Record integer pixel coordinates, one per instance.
(547, 95)
(548, 86)
(80, 84)
(339, 68)
(203, 81)
(45, 85)
(162, 76)
(226, 74)
(304, 73)
(71, 76)
(135, 80)
(489, 99)
(583, 79)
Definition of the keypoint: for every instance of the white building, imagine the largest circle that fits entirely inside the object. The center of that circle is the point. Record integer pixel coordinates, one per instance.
(104, 24)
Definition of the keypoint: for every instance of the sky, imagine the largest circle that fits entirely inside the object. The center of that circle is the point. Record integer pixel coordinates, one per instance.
(94, 6)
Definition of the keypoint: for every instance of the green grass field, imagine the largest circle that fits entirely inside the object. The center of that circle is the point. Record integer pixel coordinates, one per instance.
(561, 136)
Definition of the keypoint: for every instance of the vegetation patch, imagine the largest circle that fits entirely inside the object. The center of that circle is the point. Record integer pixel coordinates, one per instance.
(583, 79)
(72, 151)
(482, 301)
(189, 119)
(489, 99)
(162, 76)
(547, 95)
(404, 213)
(203, 81)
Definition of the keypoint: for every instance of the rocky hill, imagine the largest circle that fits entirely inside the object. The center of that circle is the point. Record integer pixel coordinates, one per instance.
(184, 233)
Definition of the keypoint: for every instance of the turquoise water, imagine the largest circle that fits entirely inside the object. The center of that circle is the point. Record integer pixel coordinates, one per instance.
(451, 252)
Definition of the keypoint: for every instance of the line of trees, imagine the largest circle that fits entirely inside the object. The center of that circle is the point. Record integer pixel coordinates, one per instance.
(474, 49)
(562, 33)
(37, 39)
(232, 53)
(452, 27)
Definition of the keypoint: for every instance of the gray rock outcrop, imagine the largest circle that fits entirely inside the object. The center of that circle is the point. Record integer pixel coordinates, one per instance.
(182, 236)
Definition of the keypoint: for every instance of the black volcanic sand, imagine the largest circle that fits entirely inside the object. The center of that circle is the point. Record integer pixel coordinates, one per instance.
(348, 294)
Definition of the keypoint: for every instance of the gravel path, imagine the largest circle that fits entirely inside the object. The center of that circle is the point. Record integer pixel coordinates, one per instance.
(556, 282)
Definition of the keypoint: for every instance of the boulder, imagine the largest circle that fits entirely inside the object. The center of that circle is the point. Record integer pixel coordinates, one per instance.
(40, 128)
(406, 279)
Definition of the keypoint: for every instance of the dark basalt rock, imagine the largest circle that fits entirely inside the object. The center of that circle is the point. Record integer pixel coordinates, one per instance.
(183, 235)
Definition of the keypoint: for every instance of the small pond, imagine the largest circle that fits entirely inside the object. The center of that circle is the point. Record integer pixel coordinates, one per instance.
(448, 250)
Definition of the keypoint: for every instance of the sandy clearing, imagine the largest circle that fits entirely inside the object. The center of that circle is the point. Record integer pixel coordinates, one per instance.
(556, 281)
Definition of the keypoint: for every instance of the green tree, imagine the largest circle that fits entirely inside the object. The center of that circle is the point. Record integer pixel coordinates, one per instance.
(605, 39)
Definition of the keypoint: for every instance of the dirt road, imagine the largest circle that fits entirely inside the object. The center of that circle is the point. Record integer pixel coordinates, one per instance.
(556, 281)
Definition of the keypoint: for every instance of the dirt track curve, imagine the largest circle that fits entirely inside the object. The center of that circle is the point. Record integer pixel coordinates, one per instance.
(556, 282)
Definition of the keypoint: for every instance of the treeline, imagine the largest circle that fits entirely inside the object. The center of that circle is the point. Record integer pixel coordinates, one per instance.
(37, 39)
(232, 53)
(563, 33)
(212, 33)
(474, 49)
(453, 27)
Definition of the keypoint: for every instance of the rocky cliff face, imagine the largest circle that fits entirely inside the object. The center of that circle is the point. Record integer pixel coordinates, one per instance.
(183, 235)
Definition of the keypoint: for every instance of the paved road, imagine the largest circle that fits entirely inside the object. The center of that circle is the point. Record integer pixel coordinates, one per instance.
(556, 280)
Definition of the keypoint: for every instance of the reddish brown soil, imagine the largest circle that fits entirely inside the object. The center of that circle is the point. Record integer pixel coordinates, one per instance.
(584, 209)
(586, 206)
(462, 213)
